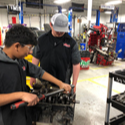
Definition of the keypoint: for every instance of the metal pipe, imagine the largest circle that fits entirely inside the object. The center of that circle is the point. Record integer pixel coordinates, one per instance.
(29, 21)
(17, 13)
(109, 93)
(40, 25)
(7, 16)
(54, 92)
(74, 25)
(3, 7)
(44, 17)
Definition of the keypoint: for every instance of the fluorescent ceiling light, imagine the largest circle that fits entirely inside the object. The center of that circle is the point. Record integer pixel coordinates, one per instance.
(61, 1)
(63, 10)
(108, 12)
(114, 2)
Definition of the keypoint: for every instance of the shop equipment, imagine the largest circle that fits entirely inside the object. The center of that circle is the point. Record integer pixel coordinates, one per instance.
(98, 36)
(101, 38)
(55, 106)
(41, 97)
(117, 101)
(121, 40)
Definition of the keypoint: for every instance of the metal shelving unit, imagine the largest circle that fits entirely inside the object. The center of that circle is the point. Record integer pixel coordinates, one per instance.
(118, 76)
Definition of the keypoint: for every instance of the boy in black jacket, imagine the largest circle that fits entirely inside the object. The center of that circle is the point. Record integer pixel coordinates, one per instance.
(19, 42)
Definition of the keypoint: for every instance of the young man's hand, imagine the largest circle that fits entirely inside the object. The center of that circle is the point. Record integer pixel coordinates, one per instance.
(32, 99)
(32, 80)
(65, 86)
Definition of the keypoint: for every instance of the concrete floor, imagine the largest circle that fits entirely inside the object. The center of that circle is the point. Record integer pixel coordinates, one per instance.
(92, 93)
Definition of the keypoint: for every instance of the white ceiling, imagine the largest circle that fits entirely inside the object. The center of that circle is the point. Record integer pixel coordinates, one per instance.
(95, 5)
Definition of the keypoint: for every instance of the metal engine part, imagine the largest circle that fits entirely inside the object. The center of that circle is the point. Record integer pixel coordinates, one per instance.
(121, 98)
(57, 109)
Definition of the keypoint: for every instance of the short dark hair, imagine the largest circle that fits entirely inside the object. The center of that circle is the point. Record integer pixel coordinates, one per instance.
(21, 34)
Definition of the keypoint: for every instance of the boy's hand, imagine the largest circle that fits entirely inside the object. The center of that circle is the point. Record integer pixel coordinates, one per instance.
(65, 86)
(31, 99)
(32, 80)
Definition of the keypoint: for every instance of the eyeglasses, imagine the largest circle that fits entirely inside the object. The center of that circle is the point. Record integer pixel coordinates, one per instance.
(30, 48)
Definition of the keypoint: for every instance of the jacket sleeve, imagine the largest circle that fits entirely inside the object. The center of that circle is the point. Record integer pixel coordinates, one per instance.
(33, 70)
(76, 58)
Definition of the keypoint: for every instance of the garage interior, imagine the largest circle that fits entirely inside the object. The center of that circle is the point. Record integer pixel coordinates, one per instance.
(94, 90)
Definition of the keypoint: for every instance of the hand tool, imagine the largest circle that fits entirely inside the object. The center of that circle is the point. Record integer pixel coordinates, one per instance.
(41, 97)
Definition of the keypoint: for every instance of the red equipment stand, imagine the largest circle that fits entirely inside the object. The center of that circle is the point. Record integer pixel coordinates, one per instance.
(96, 42)
(102, 58)
(97, 36)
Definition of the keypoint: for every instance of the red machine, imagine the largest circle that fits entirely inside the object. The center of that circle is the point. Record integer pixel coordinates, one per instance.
(103, 58)
(98, 38)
